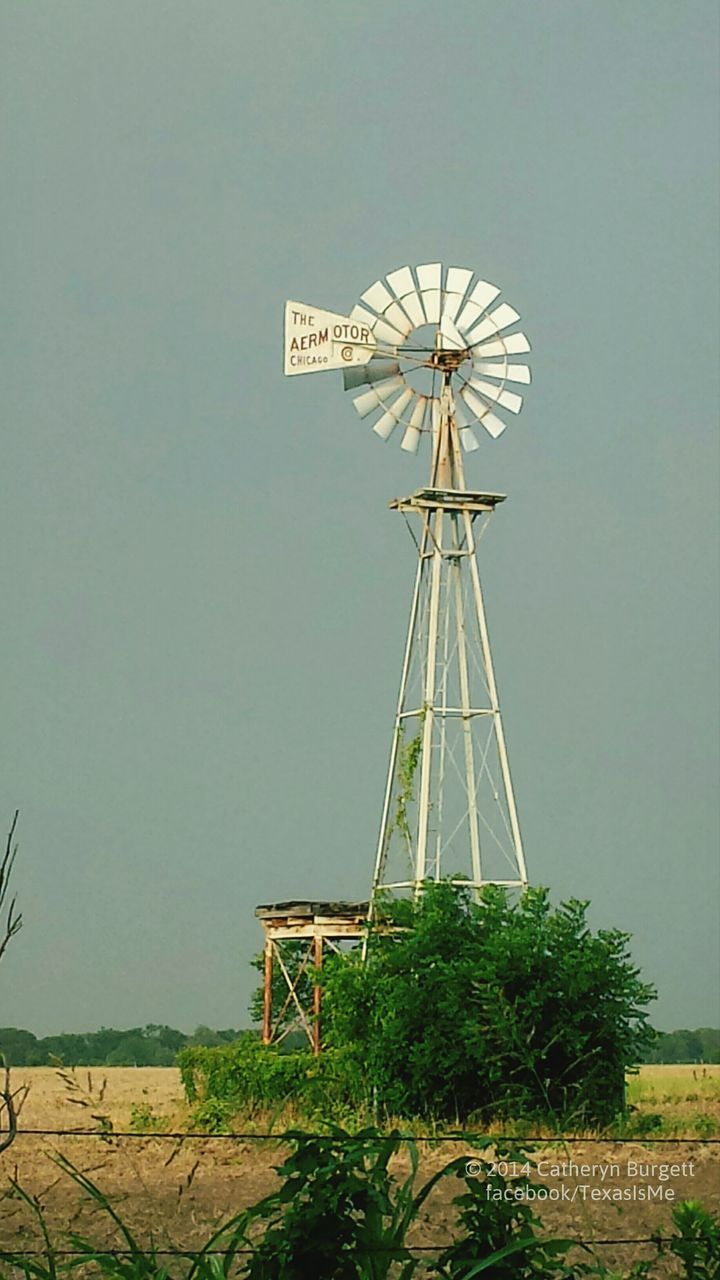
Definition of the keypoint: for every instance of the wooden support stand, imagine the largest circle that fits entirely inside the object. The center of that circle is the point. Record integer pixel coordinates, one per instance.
(296, 934)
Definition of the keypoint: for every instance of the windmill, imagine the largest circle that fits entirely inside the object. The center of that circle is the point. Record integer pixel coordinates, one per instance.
(429, 353)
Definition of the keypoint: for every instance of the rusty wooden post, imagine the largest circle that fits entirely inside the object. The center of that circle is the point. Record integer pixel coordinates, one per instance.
(317, 993)
(267, 992)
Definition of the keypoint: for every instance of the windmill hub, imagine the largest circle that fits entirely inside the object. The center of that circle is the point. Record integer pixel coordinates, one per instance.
(448, 361)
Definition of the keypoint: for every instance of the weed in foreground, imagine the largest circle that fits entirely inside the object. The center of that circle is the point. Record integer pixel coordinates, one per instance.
(144, 1120)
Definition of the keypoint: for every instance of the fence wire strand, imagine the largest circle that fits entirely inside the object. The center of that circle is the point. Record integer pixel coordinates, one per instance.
(469, 1136)
(7, 1255)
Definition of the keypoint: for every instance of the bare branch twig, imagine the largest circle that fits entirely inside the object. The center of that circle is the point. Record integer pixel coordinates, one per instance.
(13, 920)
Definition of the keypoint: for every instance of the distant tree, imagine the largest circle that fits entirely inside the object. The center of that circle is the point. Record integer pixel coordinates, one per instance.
(170, 1040)
(206, 1037)
(134, 1050)
(20, 1047)
(155, 1045)
(709, 1038)
(702, 1045)
(687, 1046)
(101, 1044)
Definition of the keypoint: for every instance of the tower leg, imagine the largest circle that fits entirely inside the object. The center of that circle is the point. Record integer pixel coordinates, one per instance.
(466, 706)
(317, 992)
(382, 838)
(267, 993)
(428, 723)
(492, 689)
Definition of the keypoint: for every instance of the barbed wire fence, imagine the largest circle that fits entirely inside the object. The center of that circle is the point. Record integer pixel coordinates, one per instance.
(179, 1137)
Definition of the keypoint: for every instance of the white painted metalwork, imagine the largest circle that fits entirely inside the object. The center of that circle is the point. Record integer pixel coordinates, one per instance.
(449, 808)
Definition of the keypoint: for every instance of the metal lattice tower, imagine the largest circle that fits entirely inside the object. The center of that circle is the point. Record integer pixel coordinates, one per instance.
(449, 807)
(428, 350)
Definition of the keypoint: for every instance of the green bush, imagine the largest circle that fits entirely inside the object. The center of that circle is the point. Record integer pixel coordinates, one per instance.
(339, 1214)
(696, 1242)
(250, 1076)
(491, 1009)
(144, 1120)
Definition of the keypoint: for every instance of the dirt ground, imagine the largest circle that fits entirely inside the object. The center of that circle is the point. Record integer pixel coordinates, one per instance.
(174, 1192)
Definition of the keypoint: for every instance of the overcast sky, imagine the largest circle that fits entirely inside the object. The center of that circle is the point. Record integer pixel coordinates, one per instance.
(204, 594)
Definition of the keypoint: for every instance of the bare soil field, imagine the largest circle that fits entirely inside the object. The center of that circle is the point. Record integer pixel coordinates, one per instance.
(175, 1191)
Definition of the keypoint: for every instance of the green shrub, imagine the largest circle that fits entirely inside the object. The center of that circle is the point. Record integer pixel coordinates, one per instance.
(339, 1214)
(250, 1076)
(696, 1242)
(705, 1126)
(144, 1120)
(644, 1123)
(491, 1009)
(212, 1116)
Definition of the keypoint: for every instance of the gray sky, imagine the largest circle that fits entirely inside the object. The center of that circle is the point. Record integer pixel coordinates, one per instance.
(204, 595)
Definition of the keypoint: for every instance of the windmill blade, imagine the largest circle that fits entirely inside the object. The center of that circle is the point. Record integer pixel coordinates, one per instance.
(390, 342)
(370, 400)
(430, 280)
(499, 319)
(468, 439)
(482, 295)
(401, 281)
(389, 420)
(508, 399)
(386, 333)
(377, 296)
(396, 316)
(403, 285)
(429, 276)
(494, 426)
(513, 345)
(452, 338)
(508, 372)
(459, 415)
(431, 300)
(411, 439)
(458, 279)
(412, 303)
(362, 316)
(377, 370)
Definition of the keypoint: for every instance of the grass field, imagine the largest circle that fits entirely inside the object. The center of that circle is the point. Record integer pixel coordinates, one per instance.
(673, 1101)
(685, 1098)
(177, 1190)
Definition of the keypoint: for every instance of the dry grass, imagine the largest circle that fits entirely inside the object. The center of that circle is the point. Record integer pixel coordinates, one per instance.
(687, 1097)
(105, 1091)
